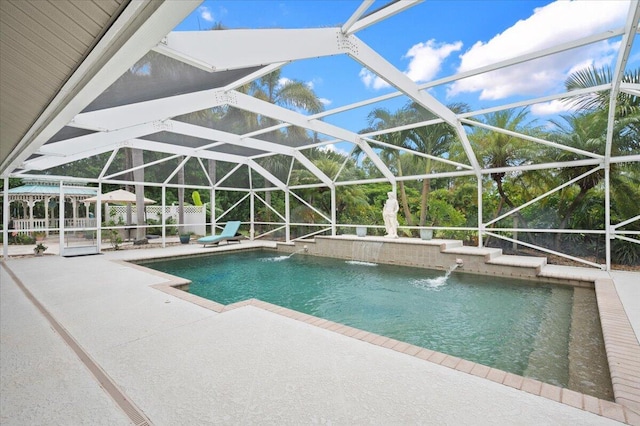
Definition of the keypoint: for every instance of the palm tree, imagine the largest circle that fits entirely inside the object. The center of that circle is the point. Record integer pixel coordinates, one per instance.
(293, 94)
(498, 150)
(380, 119)
(434, 140)
(587, 131)
(626, 104)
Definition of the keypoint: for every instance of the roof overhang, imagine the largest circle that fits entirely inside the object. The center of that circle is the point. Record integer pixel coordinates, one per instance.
(36, 106)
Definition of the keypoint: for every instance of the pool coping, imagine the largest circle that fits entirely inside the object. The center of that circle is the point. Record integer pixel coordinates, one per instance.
(622, 348)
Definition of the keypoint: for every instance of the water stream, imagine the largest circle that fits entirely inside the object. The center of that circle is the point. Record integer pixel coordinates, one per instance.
(281, 258)
(437, 281)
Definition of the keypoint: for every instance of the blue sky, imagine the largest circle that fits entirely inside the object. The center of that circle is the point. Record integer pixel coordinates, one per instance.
(435, 39)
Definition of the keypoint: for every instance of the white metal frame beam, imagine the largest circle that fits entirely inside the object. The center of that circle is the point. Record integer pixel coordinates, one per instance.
(128, 39)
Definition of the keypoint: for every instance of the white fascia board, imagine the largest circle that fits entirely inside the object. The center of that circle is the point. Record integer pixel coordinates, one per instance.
(267, 175)
(157, 109)
(217, 136)
(101, 68)
(233, 49)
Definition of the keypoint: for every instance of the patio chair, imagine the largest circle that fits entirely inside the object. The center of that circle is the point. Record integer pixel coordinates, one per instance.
(228, 234)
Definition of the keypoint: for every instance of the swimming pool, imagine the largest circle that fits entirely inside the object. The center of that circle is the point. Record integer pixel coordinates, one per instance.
(514, 325)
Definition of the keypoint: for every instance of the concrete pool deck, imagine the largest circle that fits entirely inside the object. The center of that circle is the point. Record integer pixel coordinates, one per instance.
(99, 344)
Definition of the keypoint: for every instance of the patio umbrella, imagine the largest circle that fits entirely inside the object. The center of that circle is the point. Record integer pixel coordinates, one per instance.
(119, 196)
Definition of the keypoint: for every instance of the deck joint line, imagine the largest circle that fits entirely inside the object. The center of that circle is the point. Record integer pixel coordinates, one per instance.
(136, 415)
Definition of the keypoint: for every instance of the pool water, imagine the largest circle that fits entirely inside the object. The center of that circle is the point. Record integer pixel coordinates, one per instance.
(518, 326)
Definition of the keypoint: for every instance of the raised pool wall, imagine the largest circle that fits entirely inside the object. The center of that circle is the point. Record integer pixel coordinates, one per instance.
(621, 345)
(432, 254)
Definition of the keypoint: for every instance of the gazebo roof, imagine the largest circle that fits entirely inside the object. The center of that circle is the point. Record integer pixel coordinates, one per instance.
(43, 189)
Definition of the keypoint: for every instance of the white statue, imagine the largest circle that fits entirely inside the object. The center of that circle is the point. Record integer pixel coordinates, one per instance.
(390, 213)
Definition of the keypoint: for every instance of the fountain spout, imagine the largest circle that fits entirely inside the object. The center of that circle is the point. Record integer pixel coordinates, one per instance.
(451, 269)
(297, 251)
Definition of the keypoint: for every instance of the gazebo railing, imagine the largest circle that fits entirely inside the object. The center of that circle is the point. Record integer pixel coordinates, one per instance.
(28, 225)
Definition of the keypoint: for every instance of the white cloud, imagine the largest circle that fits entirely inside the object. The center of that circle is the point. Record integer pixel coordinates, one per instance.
(551, 108)
(425, 60)
(325, 101)
(206, 14)
(283, 80)
(558, 21)
(335, 149)
(371, 80)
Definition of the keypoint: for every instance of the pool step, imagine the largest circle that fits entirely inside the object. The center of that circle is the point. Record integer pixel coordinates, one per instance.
(575, 273)
(486, 252)
(521, 261)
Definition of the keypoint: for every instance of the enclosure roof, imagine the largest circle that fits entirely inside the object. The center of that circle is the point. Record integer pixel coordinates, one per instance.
(109, 95)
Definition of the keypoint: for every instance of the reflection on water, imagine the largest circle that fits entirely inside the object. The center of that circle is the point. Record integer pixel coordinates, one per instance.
(518, 326)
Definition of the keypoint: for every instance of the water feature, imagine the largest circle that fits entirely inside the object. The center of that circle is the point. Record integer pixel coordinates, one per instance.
(366, 251)
(284, 257)
(296, 252)
(437, 281)
(486, 319)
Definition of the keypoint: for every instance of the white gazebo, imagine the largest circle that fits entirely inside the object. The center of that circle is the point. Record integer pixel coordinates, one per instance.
(48, 193)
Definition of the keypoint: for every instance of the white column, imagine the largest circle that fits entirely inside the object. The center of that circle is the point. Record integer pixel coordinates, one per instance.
(287, 216)
(252, 202)
(333, 210)
(480, 223)
(608, 236)
(30, 205)
(46, 213)
(5, 219)
(74, 209)
(213, 212)
(99, 217)
(61, 218)
(163, 215)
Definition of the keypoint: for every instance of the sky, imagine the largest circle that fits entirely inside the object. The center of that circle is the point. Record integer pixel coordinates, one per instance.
(436, 39)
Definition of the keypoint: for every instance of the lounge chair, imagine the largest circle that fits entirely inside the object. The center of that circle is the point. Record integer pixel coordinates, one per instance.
(228, 234)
